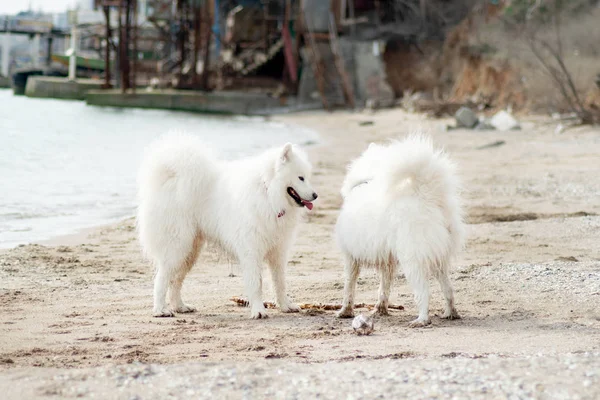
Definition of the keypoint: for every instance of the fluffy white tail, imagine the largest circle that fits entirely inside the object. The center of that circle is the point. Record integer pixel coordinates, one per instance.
(414, 166)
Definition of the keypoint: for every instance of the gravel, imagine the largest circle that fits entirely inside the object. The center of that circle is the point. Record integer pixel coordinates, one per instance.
(580, 284)
(455, 376)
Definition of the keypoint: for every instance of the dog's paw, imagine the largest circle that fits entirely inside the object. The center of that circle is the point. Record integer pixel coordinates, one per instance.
(185, 309)
(419, 323)
(164, 313)
(289, 307)
(381, 309)
(259, 313)
(451, 314)
(345, 312)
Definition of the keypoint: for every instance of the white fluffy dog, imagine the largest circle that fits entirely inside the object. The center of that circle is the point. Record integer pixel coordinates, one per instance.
(250, 208)
(401, 208)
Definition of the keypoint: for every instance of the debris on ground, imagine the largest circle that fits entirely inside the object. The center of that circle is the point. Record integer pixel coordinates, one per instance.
(423, 102)
(497, 143)
(417, 101)
(245, 303)
(310, 306)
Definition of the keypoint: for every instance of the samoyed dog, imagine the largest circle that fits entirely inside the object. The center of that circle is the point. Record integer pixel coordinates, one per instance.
(250, 208)
(401, 210)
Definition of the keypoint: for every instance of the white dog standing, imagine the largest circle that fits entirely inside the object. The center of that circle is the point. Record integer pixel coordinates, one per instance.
(401, 208)
(250, 208)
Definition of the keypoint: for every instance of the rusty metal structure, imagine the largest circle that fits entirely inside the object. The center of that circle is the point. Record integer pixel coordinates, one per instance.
(124, 9)
(242, 44)
(184, 27)
(176, 31)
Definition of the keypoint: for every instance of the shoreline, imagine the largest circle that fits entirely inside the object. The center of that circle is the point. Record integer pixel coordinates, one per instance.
(79, 234)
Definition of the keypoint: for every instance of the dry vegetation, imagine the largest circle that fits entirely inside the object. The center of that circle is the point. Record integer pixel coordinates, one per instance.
(555, 51)
(531, 56)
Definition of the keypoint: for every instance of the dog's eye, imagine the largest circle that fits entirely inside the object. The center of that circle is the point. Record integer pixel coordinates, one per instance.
(301, 178)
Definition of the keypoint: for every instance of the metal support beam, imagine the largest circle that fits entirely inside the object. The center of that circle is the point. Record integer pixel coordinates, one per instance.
(49, 40)
(73, 54)
(107, 83)
(6, 43)
(35, 50)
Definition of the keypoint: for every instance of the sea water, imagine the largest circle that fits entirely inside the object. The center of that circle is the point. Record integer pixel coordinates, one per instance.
(65, 166)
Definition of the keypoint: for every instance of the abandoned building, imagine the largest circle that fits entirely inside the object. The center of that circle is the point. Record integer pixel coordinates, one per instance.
(333, 52)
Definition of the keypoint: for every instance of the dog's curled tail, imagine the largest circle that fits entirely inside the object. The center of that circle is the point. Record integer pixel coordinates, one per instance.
(418, 169)
(414, 166)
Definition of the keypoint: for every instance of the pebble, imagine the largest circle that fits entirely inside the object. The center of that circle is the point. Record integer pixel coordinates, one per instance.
(363, 325)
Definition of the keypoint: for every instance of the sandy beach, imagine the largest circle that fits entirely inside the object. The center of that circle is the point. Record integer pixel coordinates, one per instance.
(76, 318)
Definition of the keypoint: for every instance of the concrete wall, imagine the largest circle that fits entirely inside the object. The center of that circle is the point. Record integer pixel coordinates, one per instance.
(369, 75)
(4, 82)
(316, 14)
(59, 88)
(363, 62)
(308, 91)
(214, 102)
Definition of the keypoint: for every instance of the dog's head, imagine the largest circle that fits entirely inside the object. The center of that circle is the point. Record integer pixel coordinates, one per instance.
(293, 171)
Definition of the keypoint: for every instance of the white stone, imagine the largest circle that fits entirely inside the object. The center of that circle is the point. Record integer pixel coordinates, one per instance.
(503, 121)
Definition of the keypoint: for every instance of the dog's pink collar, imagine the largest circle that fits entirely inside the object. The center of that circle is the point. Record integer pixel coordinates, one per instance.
(282, 212)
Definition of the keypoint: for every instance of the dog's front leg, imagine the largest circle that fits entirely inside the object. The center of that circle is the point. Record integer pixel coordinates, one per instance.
(253, 284)
(351, 271)
(277, 263)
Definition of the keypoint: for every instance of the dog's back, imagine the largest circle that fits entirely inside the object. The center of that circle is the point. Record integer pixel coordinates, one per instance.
(176, 173)
(405, 192)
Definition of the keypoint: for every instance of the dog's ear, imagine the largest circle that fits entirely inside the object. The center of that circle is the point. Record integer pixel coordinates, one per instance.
(371, 145)
(286, 152)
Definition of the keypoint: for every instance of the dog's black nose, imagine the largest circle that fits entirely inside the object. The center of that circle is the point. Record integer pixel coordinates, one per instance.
(315, 196)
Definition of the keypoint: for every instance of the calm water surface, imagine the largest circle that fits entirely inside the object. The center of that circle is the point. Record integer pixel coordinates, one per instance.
(65, 166)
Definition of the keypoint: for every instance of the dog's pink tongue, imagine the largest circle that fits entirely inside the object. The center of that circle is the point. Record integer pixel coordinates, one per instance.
(307, 204)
